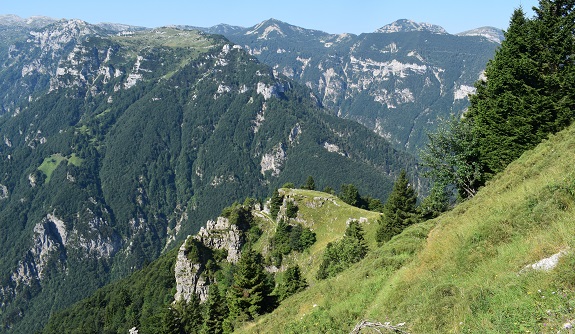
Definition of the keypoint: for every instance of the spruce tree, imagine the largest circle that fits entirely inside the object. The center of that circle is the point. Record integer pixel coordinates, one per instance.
(292, 282)
(216, 311)
(527, 93)
(505, 111)
(191, 315)
(248, 293)
(399, 211)
(309, 183)
(350, 195)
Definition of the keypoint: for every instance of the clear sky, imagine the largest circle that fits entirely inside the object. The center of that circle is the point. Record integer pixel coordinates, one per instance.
(333, 16)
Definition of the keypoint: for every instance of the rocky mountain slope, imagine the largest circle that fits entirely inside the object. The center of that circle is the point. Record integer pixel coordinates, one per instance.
(396, 81)
(116, 144)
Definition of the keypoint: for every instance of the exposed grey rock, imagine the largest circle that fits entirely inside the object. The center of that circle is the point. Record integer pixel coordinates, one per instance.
(3, 192)
(545, 264)
(219, 234)
(188, 277)
(274, 160)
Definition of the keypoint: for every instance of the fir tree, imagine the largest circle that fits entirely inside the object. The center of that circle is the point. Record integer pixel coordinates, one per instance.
(527, 93)
(191, 315)
(216, 311)
(340, 255)
(399, 211)
(350, 195)
(292, 282)
(309, 183)
(248, 293)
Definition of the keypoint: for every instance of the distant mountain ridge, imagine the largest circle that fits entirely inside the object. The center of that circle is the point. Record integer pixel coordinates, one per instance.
(397, 81)
(405, 25)
(493, 34)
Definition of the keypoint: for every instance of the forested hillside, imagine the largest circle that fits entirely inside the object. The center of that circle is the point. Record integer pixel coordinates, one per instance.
(120, 144)
(500, 262)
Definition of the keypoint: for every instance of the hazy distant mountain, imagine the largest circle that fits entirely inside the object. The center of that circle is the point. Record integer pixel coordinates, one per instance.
(493, 34)
(397, 81)
(410, 26)
(32, 22)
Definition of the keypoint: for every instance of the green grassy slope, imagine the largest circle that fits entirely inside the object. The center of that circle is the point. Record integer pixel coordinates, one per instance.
(463, 272)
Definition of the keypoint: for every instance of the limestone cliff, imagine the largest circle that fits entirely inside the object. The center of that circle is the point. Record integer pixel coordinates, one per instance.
(190, 264)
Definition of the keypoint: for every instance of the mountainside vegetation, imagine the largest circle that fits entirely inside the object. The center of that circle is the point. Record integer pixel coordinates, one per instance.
(499, 262)
(119, 146)
(126, 143)
(474, 269)
(525, 96)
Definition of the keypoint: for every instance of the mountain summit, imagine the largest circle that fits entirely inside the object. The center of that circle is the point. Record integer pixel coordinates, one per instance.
(405, 25)
(273, 28)
(491, 33)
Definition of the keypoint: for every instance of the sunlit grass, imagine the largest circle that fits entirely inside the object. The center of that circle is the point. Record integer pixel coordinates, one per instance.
(462, 272)
(52, 162)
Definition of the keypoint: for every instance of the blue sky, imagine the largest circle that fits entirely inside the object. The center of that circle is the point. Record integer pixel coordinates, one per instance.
(334, 16)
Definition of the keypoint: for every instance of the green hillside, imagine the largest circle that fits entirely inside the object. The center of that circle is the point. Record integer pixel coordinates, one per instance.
(127, 143)
(464, 271)
(467, 271)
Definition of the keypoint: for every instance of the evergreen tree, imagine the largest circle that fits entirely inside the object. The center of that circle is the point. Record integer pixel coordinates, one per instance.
(554, 43)
(399, 211)
(216, 311)
(309, 183)
(248, 293)
(350, 195)
(191, 315)
(171, 321)
(291, 209)
(527, 93)
(340, 255)
(292, 282)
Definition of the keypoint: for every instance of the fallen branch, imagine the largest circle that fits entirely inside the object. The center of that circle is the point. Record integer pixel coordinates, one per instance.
(377, 326)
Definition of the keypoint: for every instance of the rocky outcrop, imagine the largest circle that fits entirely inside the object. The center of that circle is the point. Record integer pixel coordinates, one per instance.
(216, 235)
(274, 160)
(189, 279)
(51, 242)
(3, 192)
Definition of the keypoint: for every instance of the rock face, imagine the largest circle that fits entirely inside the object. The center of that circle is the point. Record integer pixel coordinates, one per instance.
(216, 235)
(53, 240)
(3, 192)
(396, 81)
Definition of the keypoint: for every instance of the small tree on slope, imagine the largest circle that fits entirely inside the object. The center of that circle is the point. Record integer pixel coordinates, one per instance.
(399, 211)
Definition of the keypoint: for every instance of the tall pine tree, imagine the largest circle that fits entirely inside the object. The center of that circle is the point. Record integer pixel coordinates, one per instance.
(399, 211)
(247, 295)
(527, 93)
(505, 111)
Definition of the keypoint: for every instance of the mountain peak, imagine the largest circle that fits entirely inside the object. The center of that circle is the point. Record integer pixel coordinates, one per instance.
(491, 33)
(279, 28)
(32, 21)
(405, 25)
